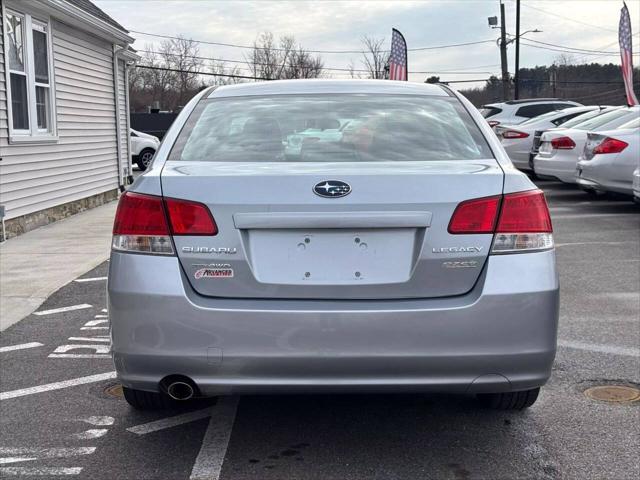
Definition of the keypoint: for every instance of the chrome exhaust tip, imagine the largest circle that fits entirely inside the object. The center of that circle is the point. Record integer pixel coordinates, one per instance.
(180, 390)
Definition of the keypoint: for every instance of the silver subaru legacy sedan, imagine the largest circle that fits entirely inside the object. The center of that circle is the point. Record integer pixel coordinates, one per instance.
(401, 253)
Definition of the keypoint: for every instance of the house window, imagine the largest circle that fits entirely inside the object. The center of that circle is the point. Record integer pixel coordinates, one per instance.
(27, 48)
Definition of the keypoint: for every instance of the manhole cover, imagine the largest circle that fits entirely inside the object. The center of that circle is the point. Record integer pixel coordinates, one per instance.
(114, 390)
(613, 393)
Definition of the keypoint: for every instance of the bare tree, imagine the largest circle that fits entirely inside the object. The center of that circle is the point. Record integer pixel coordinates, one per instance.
(228, 74)
(181, 54)
(272, 61)
(374, 58)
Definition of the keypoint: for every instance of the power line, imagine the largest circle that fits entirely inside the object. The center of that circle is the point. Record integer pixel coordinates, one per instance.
(336, 69)
(567, 51)
(578, 50)
(253, 47)
(569, 19)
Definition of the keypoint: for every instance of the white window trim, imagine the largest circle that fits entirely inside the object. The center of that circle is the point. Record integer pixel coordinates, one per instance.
(33, 135)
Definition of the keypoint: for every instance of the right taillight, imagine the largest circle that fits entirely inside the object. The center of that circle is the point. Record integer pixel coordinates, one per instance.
(520, 221)
(610, 145)
(563, 143)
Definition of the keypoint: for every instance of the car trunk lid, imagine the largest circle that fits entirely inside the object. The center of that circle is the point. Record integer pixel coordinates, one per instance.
(386, 238)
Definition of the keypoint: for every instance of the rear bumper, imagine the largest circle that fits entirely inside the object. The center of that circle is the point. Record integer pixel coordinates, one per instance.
(591, 175)
(561, 169)
(501, 336)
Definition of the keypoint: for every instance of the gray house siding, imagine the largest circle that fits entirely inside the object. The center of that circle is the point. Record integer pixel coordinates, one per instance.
(83, 162)
(4, 127)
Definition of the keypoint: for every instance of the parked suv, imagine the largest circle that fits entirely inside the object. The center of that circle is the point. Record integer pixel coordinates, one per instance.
(143, 148)
(514, 112)
(407, 256)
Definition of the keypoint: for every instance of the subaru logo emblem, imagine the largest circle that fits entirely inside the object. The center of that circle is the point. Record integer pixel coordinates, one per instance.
(332, 189)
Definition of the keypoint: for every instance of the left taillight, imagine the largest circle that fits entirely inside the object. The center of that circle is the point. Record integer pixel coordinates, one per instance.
(141, 225)
(510, 134)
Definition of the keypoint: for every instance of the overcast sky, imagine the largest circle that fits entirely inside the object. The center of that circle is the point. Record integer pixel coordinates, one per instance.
(339, 25)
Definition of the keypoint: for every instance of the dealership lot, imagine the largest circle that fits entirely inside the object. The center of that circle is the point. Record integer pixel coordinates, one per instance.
(63, 413)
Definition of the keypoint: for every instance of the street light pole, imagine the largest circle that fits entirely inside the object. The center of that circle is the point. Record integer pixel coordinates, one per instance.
(503, 54)
(516, 92)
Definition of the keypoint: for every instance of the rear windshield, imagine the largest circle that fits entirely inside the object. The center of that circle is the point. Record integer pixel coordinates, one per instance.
(330, 128)
(487, 111)
(581, 118)
(618, 117)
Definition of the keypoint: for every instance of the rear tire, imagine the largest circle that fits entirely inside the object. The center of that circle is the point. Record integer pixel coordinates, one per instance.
(141, 400)
(509, 400)
(144, 158)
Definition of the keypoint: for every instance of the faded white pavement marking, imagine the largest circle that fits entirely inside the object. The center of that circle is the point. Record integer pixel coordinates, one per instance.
(77, 355)
(97, 348)
(209, 462)
(170, 422)
(104, 310)
(93, 323)
(94, 328)
(98, 420)
(593, 243)
(101, 316)
(22, 346)
(40, 471)
(91, 433)
(94, 279)
(89, 339)
(56, 386)
(55, 452)
(63, 309)
(594, 347)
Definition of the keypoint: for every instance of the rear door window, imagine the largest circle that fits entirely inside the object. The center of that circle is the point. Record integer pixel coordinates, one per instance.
(330, 128)
(488, 111)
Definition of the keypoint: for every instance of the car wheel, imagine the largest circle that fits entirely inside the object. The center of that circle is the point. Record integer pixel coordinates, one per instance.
(509, 400)
(145, 157)
(141, 400)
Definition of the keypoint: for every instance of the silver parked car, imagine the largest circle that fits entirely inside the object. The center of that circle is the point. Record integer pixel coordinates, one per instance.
(609, 159)
(408, 255)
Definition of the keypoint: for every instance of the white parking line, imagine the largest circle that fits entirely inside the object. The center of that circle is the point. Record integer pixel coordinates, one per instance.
(98, 420)
(91, 433)
(57, 386)
(21, 346)
(63, 309)
(93, 323)
(170, 422)
(209, 462)
(40, 471)
(90, 339)
(594, 347)
(94, 279)
(78, 355)
(593, 243)
(94, 328)
(97, 348)
(594, 215)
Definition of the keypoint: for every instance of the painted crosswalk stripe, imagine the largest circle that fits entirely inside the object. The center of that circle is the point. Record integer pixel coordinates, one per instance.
(94, 279)
(63, 309)
(208, 464)
(57, 385)
(21, 346)
(170, 422)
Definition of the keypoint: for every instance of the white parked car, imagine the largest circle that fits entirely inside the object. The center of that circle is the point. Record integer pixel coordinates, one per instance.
(560, 147)
(514, 112)
(143, 148)
(609, 160)
(636, 185)
(518, 140)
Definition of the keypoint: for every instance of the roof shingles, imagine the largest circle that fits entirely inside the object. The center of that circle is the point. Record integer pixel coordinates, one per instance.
(92, 9)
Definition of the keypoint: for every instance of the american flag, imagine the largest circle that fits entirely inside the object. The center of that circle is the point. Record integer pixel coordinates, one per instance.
(398, 57)
(626, 54)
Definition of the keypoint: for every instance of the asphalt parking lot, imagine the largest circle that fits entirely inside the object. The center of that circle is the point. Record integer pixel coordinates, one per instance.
(63, 415)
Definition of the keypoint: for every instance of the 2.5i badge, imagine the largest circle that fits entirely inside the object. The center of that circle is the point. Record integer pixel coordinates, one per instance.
(217, 271)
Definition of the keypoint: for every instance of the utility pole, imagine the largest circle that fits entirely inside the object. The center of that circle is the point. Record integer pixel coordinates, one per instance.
(503, 54)
(516, 92)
